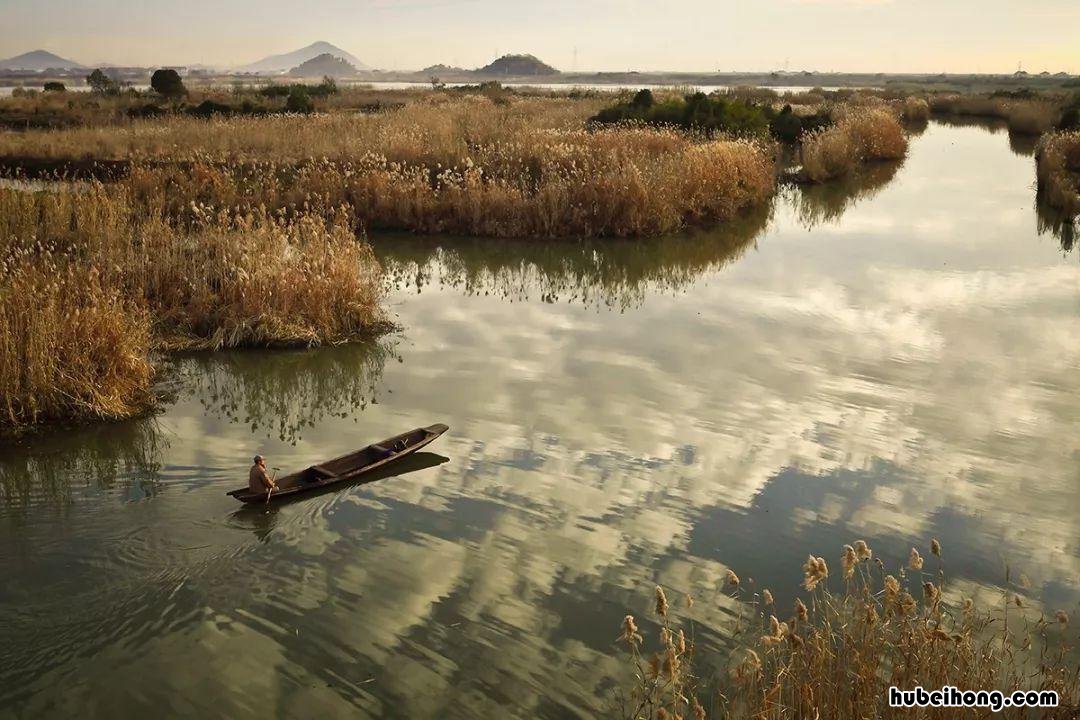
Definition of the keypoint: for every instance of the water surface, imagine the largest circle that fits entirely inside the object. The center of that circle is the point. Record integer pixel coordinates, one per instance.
(893, 357)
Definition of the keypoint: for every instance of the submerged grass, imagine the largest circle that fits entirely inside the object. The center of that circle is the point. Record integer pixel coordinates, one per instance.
(92, 282)
(838, 652)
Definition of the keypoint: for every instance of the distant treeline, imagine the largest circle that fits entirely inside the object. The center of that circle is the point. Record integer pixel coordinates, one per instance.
(715, 113)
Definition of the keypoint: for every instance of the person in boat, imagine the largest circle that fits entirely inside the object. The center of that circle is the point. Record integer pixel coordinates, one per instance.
(259, 481)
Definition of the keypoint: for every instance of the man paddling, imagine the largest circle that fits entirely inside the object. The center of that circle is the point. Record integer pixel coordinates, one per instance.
(258, 480)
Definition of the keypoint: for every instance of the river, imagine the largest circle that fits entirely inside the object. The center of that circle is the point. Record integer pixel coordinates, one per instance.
(894, 358)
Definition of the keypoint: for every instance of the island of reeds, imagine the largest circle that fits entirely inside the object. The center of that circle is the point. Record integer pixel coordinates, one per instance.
(137, 223)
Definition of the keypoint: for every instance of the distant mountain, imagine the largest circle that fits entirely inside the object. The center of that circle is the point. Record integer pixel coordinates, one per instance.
(323, 65)
(38, 60)
(517, 65)
(288, 61)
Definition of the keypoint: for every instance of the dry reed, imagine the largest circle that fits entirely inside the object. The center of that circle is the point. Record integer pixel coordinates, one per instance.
(70, 347)
(838, 657)
(91, 280)
(861, 135)
(915, 109)
(1057, 163)
(1025, 116)
(458, 165)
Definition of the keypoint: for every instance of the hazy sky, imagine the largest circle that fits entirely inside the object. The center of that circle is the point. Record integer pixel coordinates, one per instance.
(877, 35)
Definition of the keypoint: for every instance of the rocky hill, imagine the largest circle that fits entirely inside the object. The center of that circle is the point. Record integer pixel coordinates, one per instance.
(518, 66)
(324, 65)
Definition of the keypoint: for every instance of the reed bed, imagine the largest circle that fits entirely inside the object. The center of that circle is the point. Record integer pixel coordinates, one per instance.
(837, 652)
(93, 281)
(1057, 163)
(915, 110)
(437, 129)
(619, 182)
(1026, 116)
(860, 135)
(449, 164)
(71, 348)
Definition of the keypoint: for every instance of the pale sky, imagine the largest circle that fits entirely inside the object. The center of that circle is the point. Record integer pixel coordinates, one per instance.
(692, 35)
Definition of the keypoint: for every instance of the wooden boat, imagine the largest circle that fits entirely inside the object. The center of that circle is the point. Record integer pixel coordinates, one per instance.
(347, 467)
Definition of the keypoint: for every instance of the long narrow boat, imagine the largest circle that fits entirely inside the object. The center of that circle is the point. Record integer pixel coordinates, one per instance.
(347, 467)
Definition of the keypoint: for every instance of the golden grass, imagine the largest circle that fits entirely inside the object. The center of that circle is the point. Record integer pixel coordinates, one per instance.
(456, 164)
(1025, 116)
(437, 129)
(70, 347)
(92, 280)
(1057, 163)
(915, 109)
(837, 653)
(624, 182)
(860, 135)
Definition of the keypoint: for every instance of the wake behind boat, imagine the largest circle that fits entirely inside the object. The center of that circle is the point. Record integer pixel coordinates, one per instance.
(347, 467)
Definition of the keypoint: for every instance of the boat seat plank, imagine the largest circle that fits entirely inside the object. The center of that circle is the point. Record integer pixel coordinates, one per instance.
(323, 471)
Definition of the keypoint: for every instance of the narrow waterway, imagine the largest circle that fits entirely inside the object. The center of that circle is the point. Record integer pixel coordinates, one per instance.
(895, 357)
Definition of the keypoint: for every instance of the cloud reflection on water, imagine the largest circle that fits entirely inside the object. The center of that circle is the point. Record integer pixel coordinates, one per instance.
(894, 361)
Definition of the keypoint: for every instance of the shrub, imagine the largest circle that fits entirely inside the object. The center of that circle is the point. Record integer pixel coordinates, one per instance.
(57, 87)
(208, 108)
(167, 83)
(299, 101)
(697, 111)
(643, 99)
(149, 110)
(101, 83)
(1070, 118)
(789, 126)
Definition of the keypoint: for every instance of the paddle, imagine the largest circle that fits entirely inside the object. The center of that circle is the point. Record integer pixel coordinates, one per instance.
(272, 478)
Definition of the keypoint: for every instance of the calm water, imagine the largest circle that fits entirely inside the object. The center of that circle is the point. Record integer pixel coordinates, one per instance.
(891, 358)
(6, 91)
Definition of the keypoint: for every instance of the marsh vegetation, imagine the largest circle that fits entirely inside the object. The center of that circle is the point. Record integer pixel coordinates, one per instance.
(846, 641)
(95, 280)
(229, 218)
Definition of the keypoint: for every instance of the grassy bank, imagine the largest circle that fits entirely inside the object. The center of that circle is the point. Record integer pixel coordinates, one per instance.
(847, 640)
(95, 281)
(1057, 162)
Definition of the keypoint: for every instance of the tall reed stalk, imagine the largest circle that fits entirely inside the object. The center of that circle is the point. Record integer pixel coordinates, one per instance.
(851, 637)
